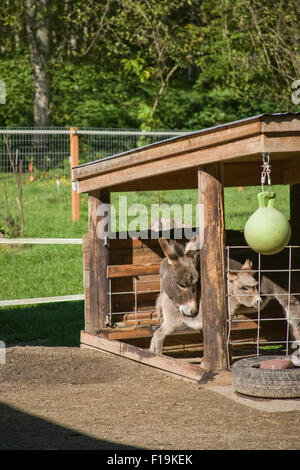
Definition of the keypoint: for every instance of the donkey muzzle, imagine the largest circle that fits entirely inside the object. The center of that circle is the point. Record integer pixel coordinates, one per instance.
(189, 309)
(256, 301)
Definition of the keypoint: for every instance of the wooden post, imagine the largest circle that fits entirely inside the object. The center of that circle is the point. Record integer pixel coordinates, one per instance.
(295, 213)
(86, 283)
(212, 266)
(96, 260)
(74, 161)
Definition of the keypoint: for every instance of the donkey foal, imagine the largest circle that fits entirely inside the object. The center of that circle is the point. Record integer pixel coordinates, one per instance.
(179, 302)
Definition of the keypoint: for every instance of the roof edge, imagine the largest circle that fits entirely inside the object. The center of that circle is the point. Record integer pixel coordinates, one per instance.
(184, 135)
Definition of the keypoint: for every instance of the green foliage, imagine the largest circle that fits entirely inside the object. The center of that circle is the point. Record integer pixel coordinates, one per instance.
(101, 100)
(16, 73)
(155, 63)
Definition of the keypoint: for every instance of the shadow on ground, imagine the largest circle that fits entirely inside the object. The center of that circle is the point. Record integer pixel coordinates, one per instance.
(21, 431)
(51, 324)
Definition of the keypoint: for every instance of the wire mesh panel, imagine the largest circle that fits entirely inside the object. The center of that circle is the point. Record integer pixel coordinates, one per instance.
(99, 143)
(275, 324)
(35, 174)
(139, 300)
(39, 151)
(34, 178)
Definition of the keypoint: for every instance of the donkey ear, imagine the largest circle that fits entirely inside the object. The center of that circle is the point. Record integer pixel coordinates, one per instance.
(247, 265)
(169, 251)
(192, 246)
(232, 276)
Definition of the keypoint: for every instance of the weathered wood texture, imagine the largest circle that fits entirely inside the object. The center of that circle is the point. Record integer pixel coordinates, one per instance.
(126, 270)
(177, 146)
(236, 173)
(212, 267)
(239, 145)
(172, 163)
(88, 317)
(164, 363)
(96, 262)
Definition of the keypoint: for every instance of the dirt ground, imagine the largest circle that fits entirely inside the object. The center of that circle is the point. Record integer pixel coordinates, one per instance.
(71, 398)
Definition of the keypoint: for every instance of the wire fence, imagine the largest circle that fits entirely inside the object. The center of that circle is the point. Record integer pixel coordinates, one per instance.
(35, 168)
(275, 324)
(36, 202)
(95, 144)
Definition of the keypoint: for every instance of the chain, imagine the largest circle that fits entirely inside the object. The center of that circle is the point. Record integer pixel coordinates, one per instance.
(266, 172)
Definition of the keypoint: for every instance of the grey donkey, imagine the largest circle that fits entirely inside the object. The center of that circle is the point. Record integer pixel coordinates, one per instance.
(270, 289)
(179, 303)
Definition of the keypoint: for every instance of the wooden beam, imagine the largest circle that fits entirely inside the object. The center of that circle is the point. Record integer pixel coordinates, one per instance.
(86, 282)
(168, 364)
(143, 328)
(179, 146)
(171, 163)
(284, 124)
(248, 173)
(235, 174)
(129, 270)
(95, 265)
(212, 268)
(240, 142)
(282, 144)
(183, 179)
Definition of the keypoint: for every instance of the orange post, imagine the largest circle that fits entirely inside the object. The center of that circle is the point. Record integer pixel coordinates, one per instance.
(74, 161)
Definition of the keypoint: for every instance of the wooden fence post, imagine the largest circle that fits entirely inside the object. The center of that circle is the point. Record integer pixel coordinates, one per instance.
(212, 267)
(74, 161)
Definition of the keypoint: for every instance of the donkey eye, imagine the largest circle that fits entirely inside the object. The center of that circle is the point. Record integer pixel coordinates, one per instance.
(180, 286)
(245, 288)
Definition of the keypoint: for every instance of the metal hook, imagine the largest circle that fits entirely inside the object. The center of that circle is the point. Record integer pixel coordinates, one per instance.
(266, 172)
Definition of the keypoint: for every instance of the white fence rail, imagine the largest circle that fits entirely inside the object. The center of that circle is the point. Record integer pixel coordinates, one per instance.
(41, 241)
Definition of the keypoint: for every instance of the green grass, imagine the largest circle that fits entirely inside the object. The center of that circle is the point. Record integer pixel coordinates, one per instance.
(239, 205)
(57, 324)
(51, 270)
(47, 210)
(40, 271)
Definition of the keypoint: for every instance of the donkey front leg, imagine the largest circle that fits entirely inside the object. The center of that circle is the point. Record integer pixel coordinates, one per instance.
(158, 338)
(194, 322)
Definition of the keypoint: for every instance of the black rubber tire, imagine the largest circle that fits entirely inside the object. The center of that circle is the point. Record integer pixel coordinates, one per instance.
(249, 379)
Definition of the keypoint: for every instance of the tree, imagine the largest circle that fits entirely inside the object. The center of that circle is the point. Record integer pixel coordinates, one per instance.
(38, 33)
(147, 63)
(162, 38)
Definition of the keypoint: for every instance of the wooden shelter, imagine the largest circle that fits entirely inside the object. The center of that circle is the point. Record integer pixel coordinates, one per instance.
(210, 159)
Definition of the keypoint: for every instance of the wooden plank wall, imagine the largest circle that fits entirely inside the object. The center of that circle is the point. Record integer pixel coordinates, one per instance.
(130, 251)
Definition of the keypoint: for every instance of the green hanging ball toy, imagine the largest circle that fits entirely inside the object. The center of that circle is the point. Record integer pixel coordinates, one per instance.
(267, 231)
